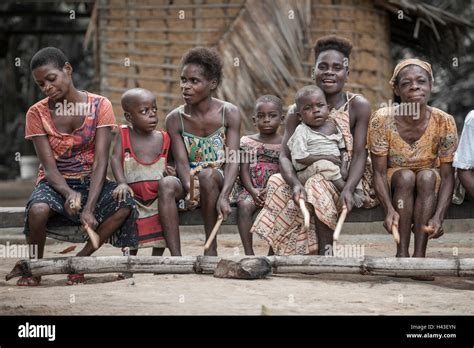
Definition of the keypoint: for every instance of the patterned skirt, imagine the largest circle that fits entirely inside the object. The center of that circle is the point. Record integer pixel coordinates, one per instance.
(105, 207)
(280, 221)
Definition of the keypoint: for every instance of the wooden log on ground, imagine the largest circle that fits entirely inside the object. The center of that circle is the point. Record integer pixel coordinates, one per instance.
(466, 267)
(389, 266)
(411, 266)
(314, 264)
(112, 264)
(247, 268)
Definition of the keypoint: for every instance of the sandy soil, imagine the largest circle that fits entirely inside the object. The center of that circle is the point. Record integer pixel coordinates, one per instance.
(323, 294)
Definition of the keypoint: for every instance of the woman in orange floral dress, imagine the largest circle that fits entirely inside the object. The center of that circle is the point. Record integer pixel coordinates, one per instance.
(412, 147)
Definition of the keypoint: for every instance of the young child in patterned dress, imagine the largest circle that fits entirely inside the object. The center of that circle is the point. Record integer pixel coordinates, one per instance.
(259, 155)
(139, 161)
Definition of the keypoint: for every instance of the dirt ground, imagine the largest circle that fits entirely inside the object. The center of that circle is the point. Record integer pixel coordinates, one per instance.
(298, 294)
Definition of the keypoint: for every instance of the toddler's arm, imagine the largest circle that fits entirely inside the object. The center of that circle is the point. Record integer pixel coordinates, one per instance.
(309, 160)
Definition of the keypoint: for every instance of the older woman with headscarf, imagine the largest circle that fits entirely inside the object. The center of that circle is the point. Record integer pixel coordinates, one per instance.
(412, 147)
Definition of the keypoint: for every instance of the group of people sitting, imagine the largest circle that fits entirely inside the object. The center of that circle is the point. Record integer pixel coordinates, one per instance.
(322, 158)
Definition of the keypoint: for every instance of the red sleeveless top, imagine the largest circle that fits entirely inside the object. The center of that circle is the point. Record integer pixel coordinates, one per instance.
(143, 179)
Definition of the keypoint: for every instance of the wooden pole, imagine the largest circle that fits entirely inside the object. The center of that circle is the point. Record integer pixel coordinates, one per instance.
(306, 215)
(340, 222)
(389, 266)
(214, 232)
(191, 187)
(396, 234)
(93, 236)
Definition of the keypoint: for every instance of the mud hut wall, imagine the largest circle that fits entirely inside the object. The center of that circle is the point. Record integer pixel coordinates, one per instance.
(153, 37)
(367, 27)
(142, 43)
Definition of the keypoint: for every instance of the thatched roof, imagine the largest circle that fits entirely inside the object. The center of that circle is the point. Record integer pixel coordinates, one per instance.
(263, 50)
(266, 46)
(426, 25)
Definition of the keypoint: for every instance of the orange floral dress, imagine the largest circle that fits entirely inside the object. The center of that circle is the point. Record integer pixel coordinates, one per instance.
(437, 144)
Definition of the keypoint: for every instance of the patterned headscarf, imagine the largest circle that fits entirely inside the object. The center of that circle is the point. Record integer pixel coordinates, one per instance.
(411, 61)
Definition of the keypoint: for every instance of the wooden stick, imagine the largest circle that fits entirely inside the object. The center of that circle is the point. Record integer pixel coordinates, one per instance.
(93, 236)
(76, 204)
(396, 234)
(340, 222)
(306, 215)
(191, 187)
(385, 266)
(91, 27)
(214, 232)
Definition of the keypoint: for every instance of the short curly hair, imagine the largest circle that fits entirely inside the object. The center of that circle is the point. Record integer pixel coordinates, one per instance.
(268, 98)
(48, 55)
(208, 59)
(305, 91)
(332, 42)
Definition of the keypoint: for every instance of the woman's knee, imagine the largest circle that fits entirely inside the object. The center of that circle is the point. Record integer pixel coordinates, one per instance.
(426, 181)
(404, 179)
(122, 213)
(209, 178)
(39, 212)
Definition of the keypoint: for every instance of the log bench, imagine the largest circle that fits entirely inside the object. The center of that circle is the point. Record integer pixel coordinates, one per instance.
(13, 217)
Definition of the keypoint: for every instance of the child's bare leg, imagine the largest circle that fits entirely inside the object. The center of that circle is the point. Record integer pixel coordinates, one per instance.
(157, 251)
(169, 191)
(359, 198)
(210, 184)
(106, 229)
(358, 194)
(246, 209)
(339, 183)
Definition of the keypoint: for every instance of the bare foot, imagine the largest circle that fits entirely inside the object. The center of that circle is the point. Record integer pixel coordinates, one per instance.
(359, 198)
(29, 281)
